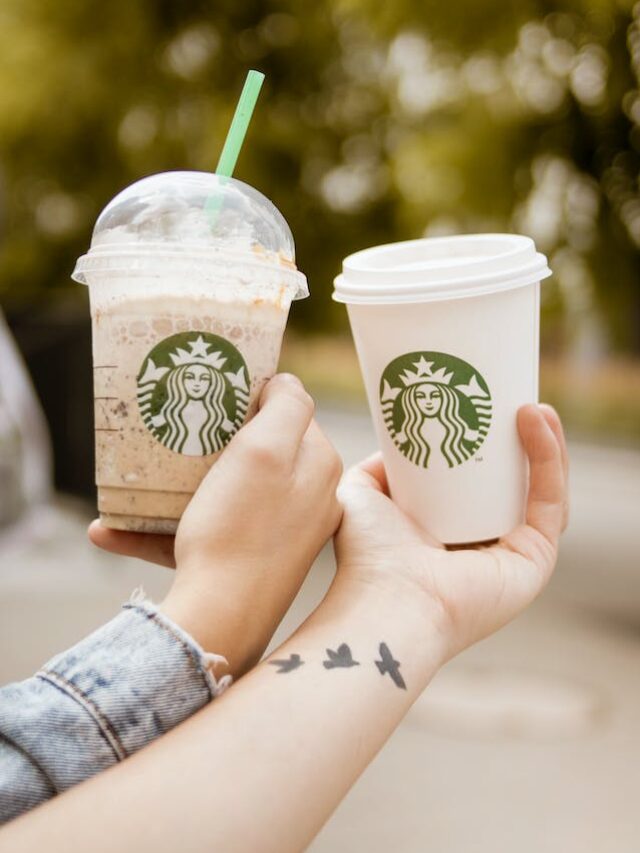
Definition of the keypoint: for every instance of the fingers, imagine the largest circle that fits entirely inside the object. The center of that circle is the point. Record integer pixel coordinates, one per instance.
(286, 410)
(153, 547)
(547, 491)
(370, 472)
(552, 418)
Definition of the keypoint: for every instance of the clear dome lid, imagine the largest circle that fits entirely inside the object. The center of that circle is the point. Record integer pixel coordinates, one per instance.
(201, 214)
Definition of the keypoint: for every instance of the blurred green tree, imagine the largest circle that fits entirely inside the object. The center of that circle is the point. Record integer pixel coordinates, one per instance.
(378, 122)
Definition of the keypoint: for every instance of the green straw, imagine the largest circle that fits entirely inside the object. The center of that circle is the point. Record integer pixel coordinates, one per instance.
(235, 137)
(240, 123)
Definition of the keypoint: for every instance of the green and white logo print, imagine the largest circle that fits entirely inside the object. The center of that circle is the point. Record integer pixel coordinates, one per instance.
(193, 392)
(436, 407)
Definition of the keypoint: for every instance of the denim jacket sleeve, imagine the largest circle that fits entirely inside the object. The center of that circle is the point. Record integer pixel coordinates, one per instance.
(111, 694)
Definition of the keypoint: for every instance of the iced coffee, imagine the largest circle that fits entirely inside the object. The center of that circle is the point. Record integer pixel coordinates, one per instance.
(189, 302)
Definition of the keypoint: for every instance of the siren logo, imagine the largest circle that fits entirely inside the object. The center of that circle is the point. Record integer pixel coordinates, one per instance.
(193, 392)
(436, 407)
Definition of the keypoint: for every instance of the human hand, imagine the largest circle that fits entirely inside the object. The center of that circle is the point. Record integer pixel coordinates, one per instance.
(251, 531)
(469, 592)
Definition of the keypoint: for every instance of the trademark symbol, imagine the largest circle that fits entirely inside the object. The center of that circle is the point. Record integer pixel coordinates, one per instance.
(479, 459)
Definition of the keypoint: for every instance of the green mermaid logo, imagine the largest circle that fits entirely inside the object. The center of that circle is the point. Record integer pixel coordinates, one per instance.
(193, 392)
(436, 407)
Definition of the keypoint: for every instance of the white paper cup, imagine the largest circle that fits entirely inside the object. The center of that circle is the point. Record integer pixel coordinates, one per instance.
(447, 333)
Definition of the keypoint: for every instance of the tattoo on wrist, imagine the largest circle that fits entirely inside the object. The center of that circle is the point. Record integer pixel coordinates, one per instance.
(292, 662)
(387, 665)
(342, 658)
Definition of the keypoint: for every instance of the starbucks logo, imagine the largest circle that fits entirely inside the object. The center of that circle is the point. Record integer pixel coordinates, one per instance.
(193, 392)
(436, 407)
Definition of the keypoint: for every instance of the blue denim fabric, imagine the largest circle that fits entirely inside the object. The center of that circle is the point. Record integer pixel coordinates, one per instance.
(111, 694)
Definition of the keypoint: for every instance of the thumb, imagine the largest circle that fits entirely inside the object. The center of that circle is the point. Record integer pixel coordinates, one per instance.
(367, 474)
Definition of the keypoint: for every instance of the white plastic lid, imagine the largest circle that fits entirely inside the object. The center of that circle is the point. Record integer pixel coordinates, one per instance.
(194, 216)
(439, 268)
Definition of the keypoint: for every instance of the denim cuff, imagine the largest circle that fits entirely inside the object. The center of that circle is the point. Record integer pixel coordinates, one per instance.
(137, 677)
(126, 684)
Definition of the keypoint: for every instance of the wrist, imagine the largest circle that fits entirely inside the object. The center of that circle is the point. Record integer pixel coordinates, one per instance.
(218, 621)
(397, 608)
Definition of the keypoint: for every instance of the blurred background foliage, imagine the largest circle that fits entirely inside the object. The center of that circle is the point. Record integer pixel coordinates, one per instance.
(377, 122)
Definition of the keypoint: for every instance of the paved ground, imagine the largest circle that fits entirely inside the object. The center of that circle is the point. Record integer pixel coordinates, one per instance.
(528, 743)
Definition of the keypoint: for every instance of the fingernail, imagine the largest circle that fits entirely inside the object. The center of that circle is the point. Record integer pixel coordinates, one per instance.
(288, 377)
(547, 407)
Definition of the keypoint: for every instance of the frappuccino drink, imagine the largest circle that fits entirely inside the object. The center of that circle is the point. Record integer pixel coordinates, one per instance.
(191, 277)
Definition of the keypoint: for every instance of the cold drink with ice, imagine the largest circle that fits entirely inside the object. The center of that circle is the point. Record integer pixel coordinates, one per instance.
(191, 277)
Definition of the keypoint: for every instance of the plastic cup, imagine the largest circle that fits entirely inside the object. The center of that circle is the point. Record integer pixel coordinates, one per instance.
(447, 333)
(190, 278)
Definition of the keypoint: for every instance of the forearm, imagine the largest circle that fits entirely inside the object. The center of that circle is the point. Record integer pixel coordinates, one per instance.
(319, 724)
(264, 768)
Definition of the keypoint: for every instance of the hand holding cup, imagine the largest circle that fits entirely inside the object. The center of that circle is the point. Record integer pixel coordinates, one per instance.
(251, 531)
(470, 591)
